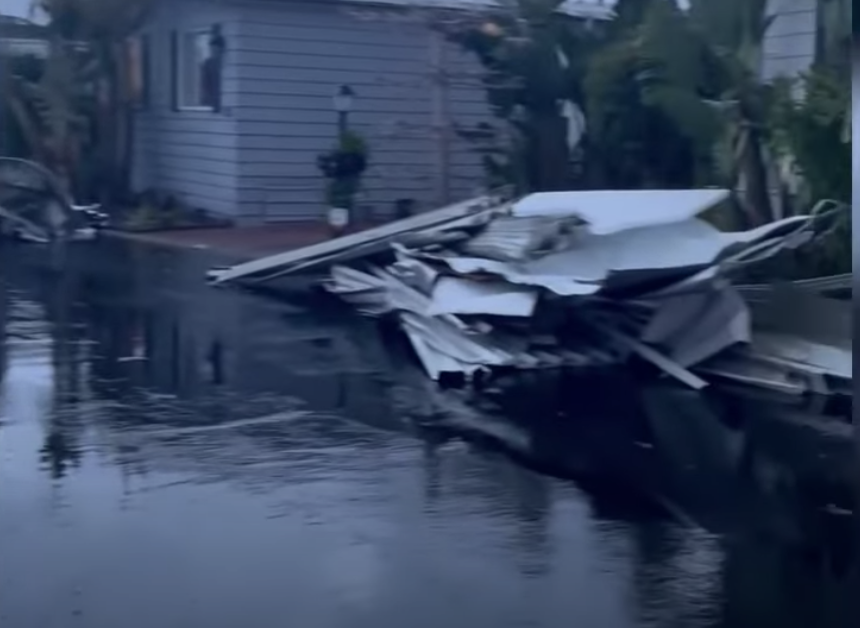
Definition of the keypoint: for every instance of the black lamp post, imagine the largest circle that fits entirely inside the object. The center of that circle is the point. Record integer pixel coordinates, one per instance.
(343, 101)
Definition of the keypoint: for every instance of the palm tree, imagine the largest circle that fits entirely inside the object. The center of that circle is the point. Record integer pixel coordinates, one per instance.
(51, 111)
(706, 73)
(83, 100)
(746, 106)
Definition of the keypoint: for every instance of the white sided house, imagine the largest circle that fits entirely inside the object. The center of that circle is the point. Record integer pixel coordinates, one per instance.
(791, 41)
(250, 154)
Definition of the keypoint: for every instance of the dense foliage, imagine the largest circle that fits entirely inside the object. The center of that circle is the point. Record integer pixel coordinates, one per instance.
(647, 125)
(76, 115)
(671, 99)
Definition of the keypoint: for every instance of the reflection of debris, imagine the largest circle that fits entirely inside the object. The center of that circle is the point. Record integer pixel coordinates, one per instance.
(570, 279)
(35, 208)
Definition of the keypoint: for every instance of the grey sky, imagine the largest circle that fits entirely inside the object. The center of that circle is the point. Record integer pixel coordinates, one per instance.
(15, 7)
(19, 8)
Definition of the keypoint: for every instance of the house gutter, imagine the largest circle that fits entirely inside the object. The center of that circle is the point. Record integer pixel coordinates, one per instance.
(583, 9)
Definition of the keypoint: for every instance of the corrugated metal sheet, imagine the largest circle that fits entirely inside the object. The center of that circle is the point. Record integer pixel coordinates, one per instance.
(819, 285)
(563, 285)
(512, 239)
(799, 312)
(803, 352)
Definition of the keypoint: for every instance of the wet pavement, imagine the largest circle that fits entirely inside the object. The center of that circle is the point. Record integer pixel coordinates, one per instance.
(175, 456)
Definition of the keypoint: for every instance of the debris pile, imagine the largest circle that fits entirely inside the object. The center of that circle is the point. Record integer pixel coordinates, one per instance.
(34, 206)
(553, 279)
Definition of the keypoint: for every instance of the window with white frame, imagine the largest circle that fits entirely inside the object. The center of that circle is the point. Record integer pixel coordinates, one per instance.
(198, 70)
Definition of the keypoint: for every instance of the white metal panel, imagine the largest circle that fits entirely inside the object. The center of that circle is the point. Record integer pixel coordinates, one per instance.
(610, 211)
(454, 295)
(331, 249)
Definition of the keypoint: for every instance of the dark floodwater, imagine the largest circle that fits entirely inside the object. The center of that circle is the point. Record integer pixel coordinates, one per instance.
(173, 456)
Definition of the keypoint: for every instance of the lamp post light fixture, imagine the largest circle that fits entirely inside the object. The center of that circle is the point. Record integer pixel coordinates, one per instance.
(343, 101)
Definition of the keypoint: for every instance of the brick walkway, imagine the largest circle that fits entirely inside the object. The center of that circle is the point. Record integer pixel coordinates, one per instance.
(244, 242)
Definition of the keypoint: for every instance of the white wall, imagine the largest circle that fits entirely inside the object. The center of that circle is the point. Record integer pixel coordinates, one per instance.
(789, 46)
(291, 57)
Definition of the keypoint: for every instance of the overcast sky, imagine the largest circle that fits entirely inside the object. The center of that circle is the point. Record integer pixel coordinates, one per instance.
(15, 7)
(20, 8)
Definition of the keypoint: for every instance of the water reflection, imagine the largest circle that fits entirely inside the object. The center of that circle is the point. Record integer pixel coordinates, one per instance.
(163, 431)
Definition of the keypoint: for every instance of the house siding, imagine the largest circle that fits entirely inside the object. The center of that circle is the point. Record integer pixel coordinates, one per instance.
(789, 46)
(291, 56)
(191, 155)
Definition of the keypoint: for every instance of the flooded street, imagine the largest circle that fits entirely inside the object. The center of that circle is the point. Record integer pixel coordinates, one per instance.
(176, 456)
